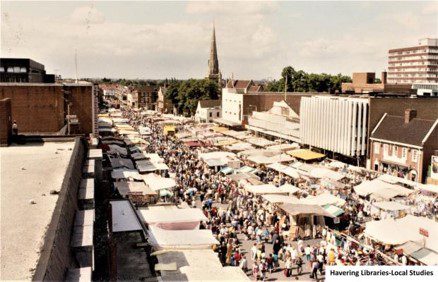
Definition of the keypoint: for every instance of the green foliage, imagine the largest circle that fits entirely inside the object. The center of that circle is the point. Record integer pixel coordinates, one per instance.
(186, 94)
(300, 81)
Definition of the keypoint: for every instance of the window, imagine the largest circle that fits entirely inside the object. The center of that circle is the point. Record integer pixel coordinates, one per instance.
(17, 69)
(404, 151)
(385, 149)
(414, 155)
(376, 148)
(217, 114)
(2, 69)
(23, 70)
(10, 69)
(395, 151)
(211, 114)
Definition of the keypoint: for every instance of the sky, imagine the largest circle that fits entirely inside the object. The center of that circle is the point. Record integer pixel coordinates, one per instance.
(256, 39)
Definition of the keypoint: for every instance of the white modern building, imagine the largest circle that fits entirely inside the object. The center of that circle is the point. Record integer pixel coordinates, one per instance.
(426, 89)
(207, 110)
(337, 124)
(415, 64)
(232, 107)
(281, 121)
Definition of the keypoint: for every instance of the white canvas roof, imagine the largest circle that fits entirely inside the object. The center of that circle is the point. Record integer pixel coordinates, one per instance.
(125, 188)
(283, 147)
(381, 189)
(394, 180)
(181, 239)
(188, 267)
(321, 172)
(428, 188)
(263, 159)
(124, 218)
(288, 170)
(390, 206)
(258, 141)
(399, 231)
(156, 182)
(271, 189)
(240, 146)
(173, 215)
(324, 199)
(218, 158)
(275, 198)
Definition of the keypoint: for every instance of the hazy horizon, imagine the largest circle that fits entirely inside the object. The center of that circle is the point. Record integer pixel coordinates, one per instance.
(158, 40)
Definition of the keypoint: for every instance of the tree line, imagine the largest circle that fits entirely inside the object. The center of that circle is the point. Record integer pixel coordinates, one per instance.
(299, 81)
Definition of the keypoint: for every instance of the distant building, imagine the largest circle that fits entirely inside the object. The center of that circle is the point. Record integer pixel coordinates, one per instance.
(336, 124)
(417, 64)
(403, 145)
(213, 63)
(281, 121)
(148, 97)
(364, 82)
(243, 86)
(207, 110)
(164, 105)
(109, 90)
(426, 89)
(23, 70)
(238, 103)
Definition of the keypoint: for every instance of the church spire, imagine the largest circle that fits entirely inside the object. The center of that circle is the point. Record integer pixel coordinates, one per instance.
(213, 63)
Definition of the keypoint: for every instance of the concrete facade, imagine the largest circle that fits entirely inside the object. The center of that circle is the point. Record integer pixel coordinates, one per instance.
(337, 124)
(237, 107)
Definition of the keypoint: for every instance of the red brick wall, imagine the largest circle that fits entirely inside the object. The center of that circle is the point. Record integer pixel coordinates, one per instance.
(40, 108)
(35, 108)
(379, 156)
(82, 103)
(5, 122)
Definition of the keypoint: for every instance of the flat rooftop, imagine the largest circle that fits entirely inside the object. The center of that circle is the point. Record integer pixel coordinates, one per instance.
(28, 172)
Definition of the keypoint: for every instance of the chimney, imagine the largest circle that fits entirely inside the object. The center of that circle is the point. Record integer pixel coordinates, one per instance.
(409, 115)
(383, 77)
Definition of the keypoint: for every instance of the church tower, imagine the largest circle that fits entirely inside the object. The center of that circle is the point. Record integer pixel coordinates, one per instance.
(213, 63)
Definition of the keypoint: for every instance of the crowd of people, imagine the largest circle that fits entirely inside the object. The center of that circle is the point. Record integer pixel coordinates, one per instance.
(236, 216)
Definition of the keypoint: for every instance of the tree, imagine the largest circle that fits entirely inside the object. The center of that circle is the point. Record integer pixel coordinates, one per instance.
(300, 81)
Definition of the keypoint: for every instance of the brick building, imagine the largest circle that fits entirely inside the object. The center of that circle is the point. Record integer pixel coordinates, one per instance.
(5, 122)
(143, 97)
(416, 64)
(364, 82)
(44, 107)
(403, 145)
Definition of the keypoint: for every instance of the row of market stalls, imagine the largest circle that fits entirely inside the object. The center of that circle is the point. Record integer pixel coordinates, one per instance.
(179, 245)
(137, 175)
